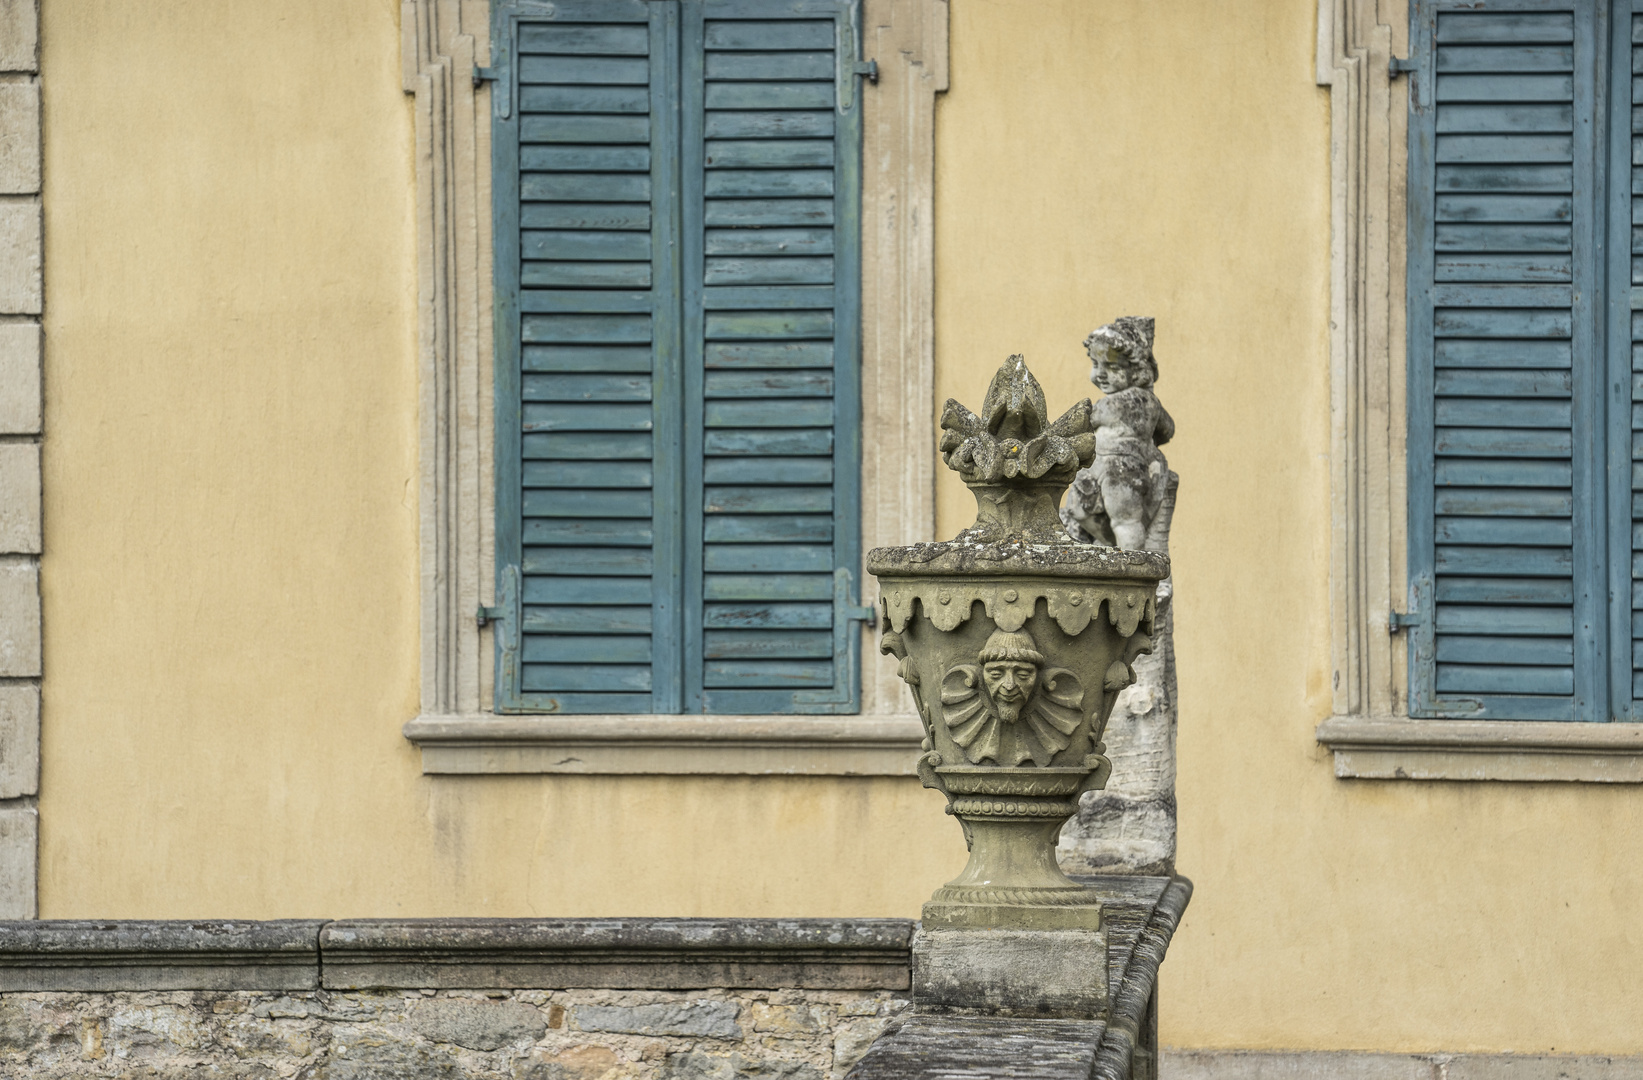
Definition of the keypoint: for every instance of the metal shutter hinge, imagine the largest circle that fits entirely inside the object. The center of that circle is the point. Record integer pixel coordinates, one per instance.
(1396, 65)
(1402, 620)
(488, 614)
(484, 75)
(862, 613)
(869, 69)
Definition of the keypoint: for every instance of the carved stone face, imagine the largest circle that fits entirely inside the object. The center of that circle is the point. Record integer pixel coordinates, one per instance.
(1112, 370)
(1010, 683)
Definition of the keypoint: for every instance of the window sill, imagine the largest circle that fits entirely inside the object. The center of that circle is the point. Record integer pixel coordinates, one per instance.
(1397, 748)
(668, 745)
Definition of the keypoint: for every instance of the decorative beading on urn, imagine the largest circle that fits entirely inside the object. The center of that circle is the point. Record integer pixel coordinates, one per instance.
(1015, 641)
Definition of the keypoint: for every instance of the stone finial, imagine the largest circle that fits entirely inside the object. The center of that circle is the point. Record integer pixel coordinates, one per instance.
(1126, 497)
(1015, 460)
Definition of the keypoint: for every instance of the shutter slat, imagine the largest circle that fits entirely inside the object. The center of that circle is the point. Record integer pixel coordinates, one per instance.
(633, 387)
(1503, 531)
(768, 384)
(586, 619)
(549, 678)
(587, 590)
(1505, 88)
(1511, 268)
(1500, 678)
(584, 40)
(787, 644)
(608, 649)
(769, 558)
(1507, 27)
(1461, 649)
(600, 560)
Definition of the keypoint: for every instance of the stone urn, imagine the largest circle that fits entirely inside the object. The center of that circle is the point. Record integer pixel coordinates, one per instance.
(1015, 641)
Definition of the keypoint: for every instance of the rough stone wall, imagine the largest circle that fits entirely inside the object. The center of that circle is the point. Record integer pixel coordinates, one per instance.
(443, 1035)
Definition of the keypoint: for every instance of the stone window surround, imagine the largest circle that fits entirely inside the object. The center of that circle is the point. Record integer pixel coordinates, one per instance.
(1370, 732)
(442, 41)
(21, 436)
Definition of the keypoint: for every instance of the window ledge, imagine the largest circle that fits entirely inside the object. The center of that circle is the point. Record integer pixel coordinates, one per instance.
(668, 745)
(1397, 748)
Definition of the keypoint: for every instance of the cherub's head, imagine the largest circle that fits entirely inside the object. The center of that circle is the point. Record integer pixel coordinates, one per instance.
(1121, 354)
(1009, 666)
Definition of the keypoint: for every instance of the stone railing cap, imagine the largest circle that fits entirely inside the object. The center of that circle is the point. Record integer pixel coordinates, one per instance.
(620, 934)
(81, 936)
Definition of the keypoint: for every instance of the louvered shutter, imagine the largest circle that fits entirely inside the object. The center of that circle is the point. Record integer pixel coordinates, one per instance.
(676, 189)
(1505, 372)
(771, 143)
(588, 378)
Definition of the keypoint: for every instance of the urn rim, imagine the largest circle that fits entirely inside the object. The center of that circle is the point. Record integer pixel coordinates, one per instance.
(957, 558)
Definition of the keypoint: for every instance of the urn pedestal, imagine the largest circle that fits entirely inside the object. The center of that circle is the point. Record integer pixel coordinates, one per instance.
(1014, 641)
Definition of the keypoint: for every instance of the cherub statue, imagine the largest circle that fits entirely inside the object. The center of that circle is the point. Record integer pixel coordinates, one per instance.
(1125, 497)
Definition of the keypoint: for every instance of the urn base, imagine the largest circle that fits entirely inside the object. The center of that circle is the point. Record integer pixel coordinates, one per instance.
(1080, 912)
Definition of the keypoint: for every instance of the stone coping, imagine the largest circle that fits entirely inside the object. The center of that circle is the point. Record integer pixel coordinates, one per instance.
(217, 954)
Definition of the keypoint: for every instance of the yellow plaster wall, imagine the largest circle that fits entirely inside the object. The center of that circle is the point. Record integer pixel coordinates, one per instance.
(230, 568)
(230, 577)
(1121, 157)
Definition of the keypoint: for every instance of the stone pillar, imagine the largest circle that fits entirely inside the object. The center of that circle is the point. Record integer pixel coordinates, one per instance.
(1129, 826)
(1127, 499)
(20, 427)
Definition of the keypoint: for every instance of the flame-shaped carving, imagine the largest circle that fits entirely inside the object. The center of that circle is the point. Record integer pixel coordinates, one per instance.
(1013, 438)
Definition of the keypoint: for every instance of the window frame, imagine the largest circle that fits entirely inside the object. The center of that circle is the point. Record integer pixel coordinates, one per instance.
(456, 729)
(1369, 734)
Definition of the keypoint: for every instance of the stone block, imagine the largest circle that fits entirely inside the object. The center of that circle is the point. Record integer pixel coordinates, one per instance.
(785, 1019)
(851, 1040)
(985, 1048)
(19, 619)
(19, 499)
(19, 740)
(19, 378)
(1542, 1067)
(696, 1065)
(478, 1025)
(1027, 973)
(19, 841)
(1291, 1065)
(19, 138)
(20, 256)
(715, 1019)
(19, 35)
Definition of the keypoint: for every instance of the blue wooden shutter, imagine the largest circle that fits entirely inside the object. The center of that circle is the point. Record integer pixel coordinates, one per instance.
(1505, 360)
(588, 399)
(771, 166)
(677, 191)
